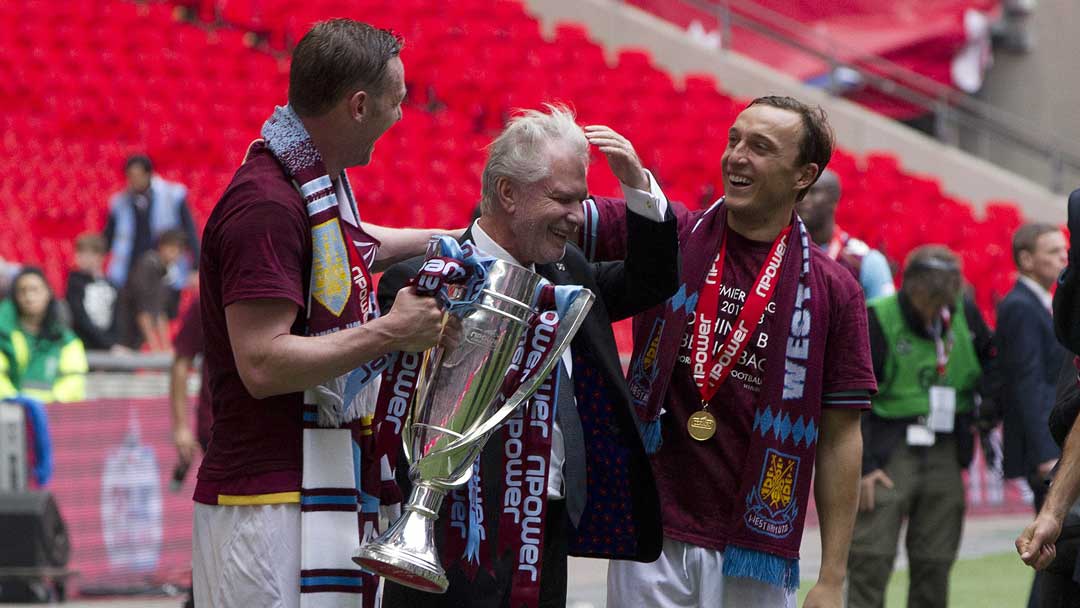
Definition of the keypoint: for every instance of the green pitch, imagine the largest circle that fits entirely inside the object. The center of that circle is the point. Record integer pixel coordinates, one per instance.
(999, 580)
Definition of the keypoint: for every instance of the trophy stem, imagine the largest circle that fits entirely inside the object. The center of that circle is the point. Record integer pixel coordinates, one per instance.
(405, 553)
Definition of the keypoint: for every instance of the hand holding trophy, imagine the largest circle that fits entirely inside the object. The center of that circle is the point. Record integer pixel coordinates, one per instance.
(515, 328)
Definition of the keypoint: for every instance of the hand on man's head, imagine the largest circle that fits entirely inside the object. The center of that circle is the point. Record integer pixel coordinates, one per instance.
(621, 157)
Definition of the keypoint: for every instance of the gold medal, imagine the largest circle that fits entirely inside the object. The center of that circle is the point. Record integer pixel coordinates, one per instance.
(701, 425)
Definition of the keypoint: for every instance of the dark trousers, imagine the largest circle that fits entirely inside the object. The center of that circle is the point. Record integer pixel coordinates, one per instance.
(491, 586)
(1058, 586)
(1038, 490)
(929, 492)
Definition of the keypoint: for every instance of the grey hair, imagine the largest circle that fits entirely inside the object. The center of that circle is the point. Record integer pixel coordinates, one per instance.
(519, 152)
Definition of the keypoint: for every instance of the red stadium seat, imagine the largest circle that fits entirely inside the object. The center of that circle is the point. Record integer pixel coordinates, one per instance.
(128, 77)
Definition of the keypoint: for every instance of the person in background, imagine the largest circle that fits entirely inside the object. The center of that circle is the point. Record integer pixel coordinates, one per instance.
(818, 212)
(8, 270)
(188, 344)
(91, 298)
(40, 357)
(1031, 355)
(147, 295)
(930, 346)
(138, 215)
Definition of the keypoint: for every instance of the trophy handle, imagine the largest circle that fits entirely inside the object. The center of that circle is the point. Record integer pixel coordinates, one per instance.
(569, 325)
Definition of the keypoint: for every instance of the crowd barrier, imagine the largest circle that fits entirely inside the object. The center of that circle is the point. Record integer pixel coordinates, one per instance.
(114, 460)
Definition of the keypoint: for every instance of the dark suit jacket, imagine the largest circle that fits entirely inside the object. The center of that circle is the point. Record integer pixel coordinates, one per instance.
(1067, 296)
(1029, 359)
(620, 480)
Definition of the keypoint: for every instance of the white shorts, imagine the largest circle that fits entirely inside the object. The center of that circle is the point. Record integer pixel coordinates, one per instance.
(688, 576)
(246, 556)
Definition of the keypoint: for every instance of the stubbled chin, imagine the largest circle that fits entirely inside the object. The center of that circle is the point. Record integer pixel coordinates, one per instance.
(737, 198)
(557, 252)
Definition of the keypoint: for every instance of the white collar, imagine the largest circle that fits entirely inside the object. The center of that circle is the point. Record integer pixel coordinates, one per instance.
(488, 245)
(1044, 296)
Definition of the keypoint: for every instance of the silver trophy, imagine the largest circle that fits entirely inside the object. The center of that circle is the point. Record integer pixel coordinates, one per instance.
(458, 405)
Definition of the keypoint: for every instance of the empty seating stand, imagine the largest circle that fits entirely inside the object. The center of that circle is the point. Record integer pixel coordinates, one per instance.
(89, 83)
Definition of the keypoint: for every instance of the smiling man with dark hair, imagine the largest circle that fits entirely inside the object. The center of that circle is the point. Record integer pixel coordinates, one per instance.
(749, 381)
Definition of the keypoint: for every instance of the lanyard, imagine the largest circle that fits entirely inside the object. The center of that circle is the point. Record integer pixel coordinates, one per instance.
(723, 362)
(944, 347)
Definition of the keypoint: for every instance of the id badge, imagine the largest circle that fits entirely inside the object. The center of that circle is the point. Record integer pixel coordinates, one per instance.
(919, 435)
(942, 409)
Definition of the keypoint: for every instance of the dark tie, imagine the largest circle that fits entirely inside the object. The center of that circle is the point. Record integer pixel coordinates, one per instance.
(574, 475)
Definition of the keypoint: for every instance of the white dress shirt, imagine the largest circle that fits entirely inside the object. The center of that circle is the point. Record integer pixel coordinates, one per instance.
(1044, 296)
(652, 205)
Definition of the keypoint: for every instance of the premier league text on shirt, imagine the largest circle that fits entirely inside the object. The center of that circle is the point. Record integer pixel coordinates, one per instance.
(699, 327)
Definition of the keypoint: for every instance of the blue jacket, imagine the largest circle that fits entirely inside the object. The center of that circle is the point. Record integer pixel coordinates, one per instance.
(1029, 359)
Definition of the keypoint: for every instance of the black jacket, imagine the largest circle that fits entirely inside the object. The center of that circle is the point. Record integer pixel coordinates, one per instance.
(1067, 328)
(1067, 296)
(90, 298)
(1029, 360)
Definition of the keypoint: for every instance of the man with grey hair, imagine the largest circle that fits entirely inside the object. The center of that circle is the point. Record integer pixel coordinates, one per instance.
(818, 212)
(599, 495)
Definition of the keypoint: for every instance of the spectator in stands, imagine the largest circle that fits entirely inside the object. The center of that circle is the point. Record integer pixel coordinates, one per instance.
(40, 356)
(929, 345)
(818, 211)
(91, 298)
(138, 215)
(145, 298)
(8, 270)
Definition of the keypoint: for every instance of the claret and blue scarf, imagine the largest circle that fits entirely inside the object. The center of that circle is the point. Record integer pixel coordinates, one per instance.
(765, 532)
(335, 504)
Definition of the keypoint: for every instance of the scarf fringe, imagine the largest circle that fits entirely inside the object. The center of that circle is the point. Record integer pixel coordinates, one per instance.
(650, 435)
(761, 566)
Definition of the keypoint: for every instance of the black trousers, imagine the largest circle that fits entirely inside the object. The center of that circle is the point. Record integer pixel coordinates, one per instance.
(1058, 586)
(488, 591)
(1039, 489)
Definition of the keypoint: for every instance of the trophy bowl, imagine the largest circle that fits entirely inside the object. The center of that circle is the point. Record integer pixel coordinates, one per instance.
(462, 396)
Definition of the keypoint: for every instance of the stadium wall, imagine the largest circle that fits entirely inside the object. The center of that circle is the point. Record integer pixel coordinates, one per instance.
(617, 25)
(1043, 84)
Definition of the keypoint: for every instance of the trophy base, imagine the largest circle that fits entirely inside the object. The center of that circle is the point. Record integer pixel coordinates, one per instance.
(391, 565)
(406, 552)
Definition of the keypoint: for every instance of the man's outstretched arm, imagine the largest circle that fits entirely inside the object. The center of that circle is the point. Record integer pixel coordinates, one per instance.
(400, 244)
